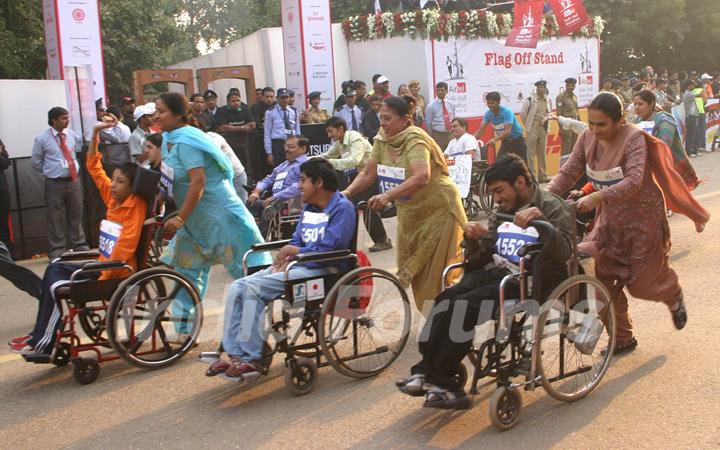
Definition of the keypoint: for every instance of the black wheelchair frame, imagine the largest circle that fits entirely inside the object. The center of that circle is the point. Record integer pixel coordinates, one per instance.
(524, 331)
(321, 344)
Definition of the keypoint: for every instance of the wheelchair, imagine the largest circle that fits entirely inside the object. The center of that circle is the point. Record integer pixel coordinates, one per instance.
(283, 215)
(129, 318)
(356, 321)
(563, 342)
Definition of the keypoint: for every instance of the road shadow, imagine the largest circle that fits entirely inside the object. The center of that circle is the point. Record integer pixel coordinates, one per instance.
(544, 421)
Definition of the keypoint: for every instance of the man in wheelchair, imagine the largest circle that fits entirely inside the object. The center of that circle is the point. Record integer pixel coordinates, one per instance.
(119, 236)
(493, 254)
(327, 224)
(281, 185)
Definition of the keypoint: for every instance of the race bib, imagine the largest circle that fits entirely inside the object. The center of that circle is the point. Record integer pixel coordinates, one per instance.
(498, 130)
(603, 179)
(510, 238)
(109, 235)
(167, 176)
(279, 181)
(390, 177)
(647, 126)
(312, 227)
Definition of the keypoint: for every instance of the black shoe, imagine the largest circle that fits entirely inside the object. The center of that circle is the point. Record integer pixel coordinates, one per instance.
(621, 349)
(444, 399)
(679, 315)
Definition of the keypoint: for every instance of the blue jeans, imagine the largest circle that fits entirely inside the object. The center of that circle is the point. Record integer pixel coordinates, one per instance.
(244, 335)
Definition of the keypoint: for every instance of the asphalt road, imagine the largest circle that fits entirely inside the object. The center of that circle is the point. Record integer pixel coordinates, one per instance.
(663, 395)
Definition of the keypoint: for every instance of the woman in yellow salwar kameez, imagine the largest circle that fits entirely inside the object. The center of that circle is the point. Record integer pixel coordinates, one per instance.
(411, 171)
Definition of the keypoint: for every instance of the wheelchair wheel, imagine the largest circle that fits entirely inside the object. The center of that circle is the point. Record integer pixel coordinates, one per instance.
(154, 317)
(85, 370)
(505, 407)
(62, 355)
(472, 207)
(92, 323)
(160, 240)
(575, 325)
(296, 330)
(461, 376)
(301, 376)
(487, 204)
(364, 323)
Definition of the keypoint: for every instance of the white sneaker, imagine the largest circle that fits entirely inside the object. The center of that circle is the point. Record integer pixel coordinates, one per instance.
(708, 150)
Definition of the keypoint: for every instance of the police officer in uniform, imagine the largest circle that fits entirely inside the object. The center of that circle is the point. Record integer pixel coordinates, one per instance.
(314, 114)
(534, 113)
(567, 106)
(281, 122)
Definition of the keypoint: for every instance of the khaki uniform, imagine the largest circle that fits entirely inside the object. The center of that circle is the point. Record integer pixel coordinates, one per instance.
(314, 116)
(534, 111)
(567, 106)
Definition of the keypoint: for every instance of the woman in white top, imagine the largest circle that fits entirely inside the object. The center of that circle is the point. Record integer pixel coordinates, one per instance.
(240, 179)
(463, 143)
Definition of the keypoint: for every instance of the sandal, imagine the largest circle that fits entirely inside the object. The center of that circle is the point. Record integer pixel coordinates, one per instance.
(217, 368)
(240, 368)
(444, 399)
(415, 386)
(679, 315)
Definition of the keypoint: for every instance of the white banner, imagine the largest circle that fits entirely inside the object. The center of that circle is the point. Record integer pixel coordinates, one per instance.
(317, 42)
(307, 43)
(472, 68)
(293, 50)
(72, 38)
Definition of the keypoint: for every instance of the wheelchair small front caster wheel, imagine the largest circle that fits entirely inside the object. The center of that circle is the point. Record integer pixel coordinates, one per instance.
(301, 376)
(86, 370)
(62, 355)
(505, 406)
(461, 376)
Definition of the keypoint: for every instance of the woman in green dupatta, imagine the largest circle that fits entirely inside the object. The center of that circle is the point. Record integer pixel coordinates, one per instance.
(664, 126)
(411, 171)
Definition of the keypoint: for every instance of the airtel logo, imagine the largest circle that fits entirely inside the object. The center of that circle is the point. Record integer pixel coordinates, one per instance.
(78, 14)
(291, 17)
(318, 46)
(316, 18)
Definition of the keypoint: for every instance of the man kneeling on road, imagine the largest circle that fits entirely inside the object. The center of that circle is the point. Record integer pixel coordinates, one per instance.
(282, 182)
(327, 224)
(443, 348)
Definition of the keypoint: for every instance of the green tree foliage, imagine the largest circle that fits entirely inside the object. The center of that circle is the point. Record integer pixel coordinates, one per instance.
(141, 34)
(22, 41)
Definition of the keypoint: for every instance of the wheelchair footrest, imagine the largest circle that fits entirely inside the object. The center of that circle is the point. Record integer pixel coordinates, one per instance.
(38, 358)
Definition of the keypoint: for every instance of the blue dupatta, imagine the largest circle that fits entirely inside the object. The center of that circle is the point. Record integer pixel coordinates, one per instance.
(198, 140)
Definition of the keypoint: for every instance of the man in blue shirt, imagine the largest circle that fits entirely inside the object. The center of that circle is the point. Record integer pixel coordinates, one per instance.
(282, 182)
(53, 155)
(350, 112)
(506, 128)
(327, 224)
(281, 121)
